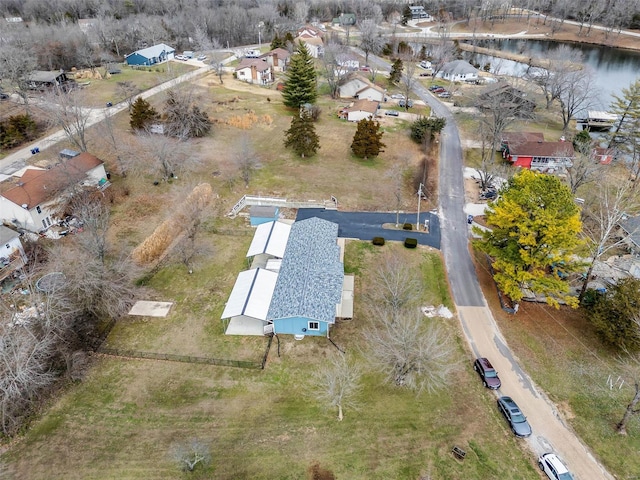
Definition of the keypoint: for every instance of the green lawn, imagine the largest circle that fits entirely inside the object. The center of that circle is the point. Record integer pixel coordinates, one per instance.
(122, 421)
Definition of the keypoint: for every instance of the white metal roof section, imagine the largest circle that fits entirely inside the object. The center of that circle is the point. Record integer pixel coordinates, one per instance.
(251, 294)
(270, 238)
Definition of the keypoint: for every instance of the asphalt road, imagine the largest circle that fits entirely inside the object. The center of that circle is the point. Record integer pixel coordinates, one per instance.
(366, 225)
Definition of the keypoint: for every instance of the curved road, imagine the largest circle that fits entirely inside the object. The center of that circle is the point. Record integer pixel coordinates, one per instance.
(550, 431)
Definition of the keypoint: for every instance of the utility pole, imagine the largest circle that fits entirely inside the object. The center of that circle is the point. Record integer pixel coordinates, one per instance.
(419, 198)
(260, 25)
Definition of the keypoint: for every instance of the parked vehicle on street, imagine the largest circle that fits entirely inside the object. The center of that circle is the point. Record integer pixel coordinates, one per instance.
(435, 87)
(444, 94)
(439, 90)
(554, 468)
(481, 365)
(202, 58)
(517, 420)
(181, 57)
(392, 113)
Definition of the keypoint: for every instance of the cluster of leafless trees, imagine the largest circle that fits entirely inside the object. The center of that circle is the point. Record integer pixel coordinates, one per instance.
(55, 40)
(76, 289)
(408, 349)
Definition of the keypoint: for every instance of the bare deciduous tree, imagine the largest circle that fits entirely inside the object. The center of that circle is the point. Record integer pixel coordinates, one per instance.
(91, 210)
(246, 159)
(16, 65)
(335, 73)
(584, 170)
(25, 357)
(556, 77)
(397, 176)
(184, 118)
(159, 155)
(410, 350)
(579, 93)
(630, 365)
(395, 285)
(370, 39)
(337, 383)
(191, 453)
(611, 203)
(408, 78)
(128, 91)
(67, 112)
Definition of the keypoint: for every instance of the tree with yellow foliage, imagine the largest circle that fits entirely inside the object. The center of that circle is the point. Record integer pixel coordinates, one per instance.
(534, 228)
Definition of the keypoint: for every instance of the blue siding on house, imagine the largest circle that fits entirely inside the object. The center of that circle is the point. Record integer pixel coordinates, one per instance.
(256, 220)
(294, 326)
(137, 59)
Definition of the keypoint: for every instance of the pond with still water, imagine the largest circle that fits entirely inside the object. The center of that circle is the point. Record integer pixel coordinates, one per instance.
(614, 68)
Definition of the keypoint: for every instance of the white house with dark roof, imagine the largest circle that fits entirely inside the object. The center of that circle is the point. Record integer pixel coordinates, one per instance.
(254, 70)
(278, 59)
(459, 71)
(360, 109)
(33, 202)
(12, 256)
(361, 88)
(305, 296)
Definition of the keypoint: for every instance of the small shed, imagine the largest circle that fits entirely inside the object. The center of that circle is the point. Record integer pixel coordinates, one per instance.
(262, 214)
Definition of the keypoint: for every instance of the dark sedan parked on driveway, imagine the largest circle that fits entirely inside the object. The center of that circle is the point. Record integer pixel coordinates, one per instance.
(486, 371)
(514, 416)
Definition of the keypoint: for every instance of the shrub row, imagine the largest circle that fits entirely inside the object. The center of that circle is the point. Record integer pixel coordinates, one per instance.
(407, 226)
(378, 241)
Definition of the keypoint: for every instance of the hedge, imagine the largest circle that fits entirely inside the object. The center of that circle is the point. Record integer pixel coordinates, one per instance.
(378, 241)
(411, 242)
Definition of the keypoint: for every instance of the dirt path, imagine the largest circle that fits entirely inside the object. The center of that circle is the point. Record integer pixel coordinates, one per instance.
(550, 431)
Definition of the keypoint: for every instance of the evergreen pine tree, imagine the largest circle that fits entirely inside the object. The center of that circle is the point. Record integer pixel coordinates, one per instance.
(300, 80)
(396, 71)
(301, 136)
(278, 42)
(367, 141)
(142, 114)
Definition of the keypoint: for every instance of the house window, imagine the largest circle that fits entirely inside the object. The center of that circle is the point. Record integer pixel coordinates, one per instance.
(38, 209)
(44, 224)
(314, 325)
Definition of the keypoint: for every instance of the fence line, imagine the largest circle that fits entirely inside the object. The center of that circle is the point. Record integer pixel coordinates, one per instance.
(183, 358)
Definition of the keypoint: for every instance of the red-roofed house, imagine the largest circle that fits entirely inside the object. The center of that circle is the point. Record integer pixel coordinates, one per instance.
(32, 203)
(255, 70)
(541, 156)
(603, 155)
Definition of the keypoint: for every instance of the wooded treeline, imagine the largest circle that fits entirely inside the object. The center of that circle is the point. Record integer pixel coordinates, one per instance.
(50, 32)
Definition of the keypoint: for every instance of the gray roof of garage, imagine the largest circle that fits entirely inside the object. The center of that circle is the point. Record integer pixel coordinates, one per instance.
(311, 275)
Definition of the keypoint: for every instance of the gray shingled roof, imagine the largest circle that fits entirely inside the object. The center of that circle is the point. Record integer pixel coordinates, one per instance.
(632, 226)
(310, 280)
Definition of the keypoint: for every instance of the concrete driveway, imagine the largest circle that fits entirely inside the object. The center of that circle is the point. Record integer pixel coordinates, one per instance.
(366, 225)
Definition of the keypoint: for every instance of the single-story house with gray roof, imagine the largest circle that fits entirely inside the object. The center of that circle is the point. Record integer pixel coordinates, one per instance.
(459, 71)
(305, 296)
(151, 55)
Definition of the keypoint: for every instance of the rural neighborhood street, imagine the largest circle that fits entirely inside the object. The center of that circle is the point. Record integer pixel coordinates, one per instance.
(550, 432)
(19, 159)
